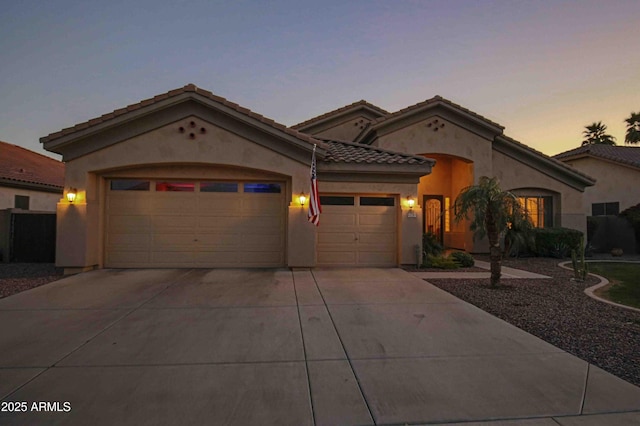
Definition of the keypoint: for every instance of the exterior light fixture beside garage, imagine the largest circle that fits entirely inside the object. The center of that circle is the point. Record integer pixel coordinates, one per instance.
(302, 199)
(410, 201)
(71, 195)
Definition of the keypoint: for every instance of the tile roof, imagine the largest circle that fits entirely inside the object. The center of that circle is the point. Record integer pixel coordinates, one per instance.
(23, 166)
(189, 88)
(628, 155)
(360, 103)
(550, 160)
(436, 99)
(350, 152)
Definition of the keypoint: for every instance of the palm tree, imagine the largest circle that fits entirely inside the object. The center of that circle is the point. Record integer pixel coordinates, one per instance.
(633, 129)
(596, 135)
(493, 210)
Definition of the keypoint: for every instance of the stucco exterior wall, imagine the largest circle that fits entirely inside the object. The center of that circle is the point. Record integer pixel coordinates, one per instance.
(614, 182)
(451, 139)
(345, 131)
(38, 201)
(516, 175)
(461, 158)
(165, 152)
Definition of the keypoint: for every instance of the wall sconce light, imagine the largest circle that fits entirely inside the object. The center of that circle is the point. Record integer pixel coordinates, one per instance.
(71, 195)
(411, 202)
(302, 198)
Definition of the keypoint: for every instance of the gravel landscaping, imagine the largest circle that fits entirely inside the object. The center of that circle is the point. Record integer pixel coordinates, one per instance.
(557, 311)
(17, 277)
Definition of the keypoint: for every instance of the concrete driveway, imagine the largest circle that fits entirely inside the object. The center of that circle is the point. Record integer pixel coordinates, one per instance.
(276, 347)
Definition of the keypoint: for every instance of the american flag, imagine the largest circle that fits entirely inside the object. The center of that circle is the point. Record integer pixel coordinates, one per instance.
(314, 203)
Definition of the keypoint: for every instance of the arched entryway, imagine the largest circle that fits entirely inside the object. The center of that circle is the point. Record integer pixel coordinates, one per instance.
(438, 192)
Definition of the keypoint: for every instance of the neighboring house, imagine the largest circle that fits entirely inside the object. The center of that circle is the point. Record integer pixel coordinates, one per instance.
(617, 170)
(190, 179)
(28, 180)
(31, 186)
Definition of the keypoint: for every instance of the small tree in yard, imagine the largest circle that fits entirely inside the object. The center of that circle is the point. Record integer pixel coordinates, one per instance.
(492, 210)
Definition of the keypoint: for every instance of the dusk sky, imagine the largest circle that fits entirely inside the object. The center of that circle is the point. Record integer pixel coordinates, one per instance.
(542, 69)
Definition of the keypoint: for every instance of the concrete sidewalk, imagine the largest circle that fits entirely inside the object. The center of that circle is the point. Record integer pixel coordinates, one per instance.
(279, 347)
(508, 273)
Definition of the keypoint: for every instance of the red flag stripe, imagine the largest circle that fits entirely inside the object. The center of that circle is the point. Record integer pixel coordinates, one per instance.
(314, 199)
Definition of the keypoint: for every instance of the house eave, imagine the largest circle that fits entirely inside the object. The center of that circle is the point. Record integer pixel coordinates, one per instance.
(546, 165)
(354, 172)
(145, 119)
(33, 186)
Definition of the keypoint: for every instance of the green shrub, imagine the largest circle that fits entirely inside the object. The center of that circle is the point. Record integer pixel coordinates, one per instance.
(556, 242)
(431, 246)
(462, 259)
(440, 262)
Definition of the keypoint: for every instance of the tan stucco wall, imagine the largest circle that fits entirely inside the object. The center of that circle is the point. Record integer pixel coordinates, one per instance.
(526, 180)
(614, 182)
(461, 158)
(40, 201)
(449, 176)
(451, 139)
(79, 226)
(218, 153)
(346, 131)
(409, 228)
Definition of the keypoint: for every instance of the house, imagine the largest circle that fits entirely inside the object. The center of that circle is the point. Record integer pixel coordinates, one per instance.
(465, 146)
(190, 179)
(28, 180)
(30, 186)
(617, 170)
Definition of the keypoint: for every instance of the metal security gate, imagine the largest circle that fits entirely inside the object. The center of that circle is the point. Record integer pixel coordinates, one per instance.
(33, 237)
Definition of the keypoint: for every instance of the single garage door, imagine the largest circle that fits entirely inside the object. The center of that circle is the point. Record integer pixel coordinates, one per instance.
(357, 230)
(165, 223)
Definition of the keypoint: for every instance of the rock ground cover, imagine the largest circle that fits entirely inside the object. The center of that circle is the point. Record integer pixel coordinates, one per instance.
(17, 277)
(558, 311)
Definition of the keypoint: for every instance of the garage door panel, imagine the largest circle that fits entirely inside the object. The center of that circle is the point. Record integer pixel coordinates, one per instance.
(335, 258)
(225, 205)
(376, 258)
(131, 242)
(258, 206)
(264, 225)
(262, 242)
(384, 240)
(172, 257)
(357, 235)
(221, 240)
(216, 258)
(168, 240)
(191, 229)
(177, 222)
(383, 219)
(130, 205)
(213, 223)
(173, 203)
(339, 222)
(336, 238)
(263, 258)
(129, 224)
(126, 257)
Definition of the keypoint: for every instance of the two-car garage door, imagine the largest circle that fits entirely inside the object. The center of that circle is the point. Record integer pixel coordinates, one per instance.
(158, 223)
